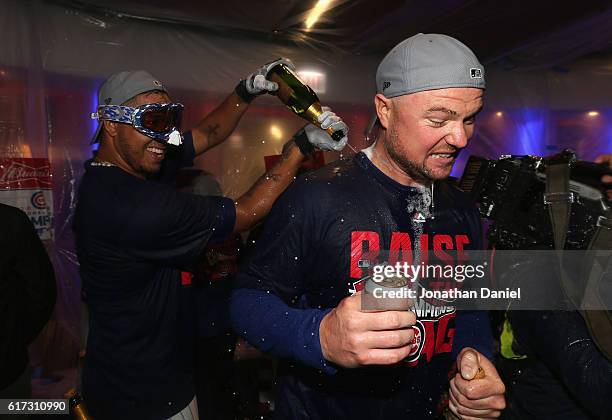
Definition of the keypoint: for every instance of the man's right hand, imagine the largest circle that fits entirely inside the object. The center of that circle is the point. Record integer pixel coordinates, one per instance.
(257, 82)
(352, 338)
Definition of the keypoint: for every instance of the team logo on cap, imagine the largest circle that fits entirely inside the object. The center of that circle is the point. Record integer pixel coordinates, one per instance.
(476, 73)
(157, 83)
(386, 85)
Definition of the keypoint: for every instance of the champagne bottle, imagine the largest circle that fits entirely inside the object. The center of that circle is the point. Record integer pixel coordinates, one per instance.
(299, 97)
(77, 405)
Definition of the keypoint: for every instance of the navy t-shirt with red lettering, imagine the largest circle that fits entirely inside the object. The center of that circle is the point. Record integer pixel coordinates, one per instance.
(309, 256)
(134, 237)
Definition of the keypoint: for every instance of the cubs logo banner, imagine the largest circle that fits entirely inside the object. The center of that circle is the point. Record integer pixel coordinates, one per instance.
(26, 184)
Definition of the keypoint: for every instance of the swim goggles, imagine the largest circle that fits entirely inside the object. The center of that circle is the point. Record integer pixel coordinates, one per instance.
(158, 121)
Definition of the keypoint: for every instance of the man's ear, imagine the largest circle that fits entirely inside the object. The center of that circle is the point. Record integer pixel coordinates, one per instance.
(383, 109)
(110, 127)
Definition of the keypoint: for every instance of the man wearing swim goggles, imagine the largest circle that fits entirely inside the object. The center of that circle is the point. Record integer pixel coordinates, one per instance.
(135, 234)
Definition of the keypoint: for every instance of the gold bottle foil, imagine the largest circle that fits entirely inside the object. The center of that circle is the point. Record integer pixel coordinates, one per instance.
(284, 93)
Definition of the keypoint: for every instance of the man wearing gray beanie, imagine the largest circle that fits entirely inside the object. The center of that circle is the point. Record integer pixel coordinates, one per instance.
(300, 295)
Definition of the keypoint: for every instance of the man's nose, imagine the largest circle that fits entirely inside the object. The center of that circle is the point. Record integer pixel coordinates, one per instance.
(458, 137)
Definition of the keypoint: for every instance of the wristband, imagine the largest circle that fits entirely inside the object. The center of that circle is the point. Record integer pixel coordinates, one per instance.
(243, 93)
(301, 140)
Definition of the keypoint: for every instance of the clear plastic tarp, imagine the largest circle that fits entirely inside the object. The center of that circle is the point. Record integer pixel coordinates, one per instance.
(53, 59)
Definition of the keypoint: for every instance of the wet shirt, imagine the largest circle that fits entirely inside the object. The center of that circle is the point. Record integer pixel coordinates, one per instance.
(311, 255)
(134, 238)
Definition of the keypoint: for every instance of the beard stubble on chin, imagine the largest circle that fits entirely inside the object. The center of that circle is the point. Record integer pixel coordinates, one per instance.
(417, 171)
(135, 156)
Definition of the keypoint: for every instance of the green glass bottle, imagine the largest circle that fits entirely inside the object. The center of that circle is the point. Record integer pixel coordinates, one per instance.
(299, 97)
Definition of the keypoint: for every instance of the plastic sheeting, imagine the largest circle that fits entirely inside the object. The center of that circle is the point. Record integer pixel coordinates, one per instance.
(54, 58)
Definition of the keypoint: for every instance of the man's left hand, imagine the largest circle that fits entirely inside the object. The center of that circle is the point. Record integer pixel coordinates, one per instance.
(311, 137)
(473, 396)
(319, 138)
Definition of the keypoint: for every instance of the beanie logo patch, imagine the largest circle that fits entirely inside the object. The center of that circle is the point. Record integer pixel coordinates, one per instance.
(386, 85)
(475, 73)
(157, 83)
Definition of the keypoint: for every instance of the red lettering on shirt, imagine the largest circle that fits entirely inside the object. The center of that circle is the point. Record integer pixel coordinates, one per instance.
(358, 241)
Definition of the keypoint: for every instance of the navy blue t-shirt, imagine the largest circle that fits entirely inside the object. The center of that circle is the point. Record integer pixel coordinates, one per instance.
(134, 237)
(309, 255)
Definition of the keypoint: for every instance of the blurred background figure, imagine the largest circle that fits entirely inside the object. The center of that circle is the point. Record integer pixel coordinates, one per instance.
(27, 298)
(216, 376)
(233, 378)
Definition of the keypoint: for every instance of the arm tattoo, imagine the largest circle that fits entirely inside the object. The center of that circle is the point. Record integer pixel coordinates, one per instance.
(287, 148)
(213, 131)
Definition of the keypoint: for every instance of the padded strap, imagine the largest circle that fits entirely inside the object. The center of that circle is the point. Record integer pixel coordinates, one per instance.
(558, 198)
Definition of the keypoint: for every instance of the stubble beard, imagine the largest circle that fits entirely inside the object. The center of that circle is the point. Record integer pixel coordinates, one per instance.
(417, 171)
(130, 155)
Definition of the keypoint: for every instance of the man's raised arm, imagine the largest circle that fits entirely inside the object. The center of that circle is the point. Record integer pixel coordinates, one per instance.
(221, 122)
